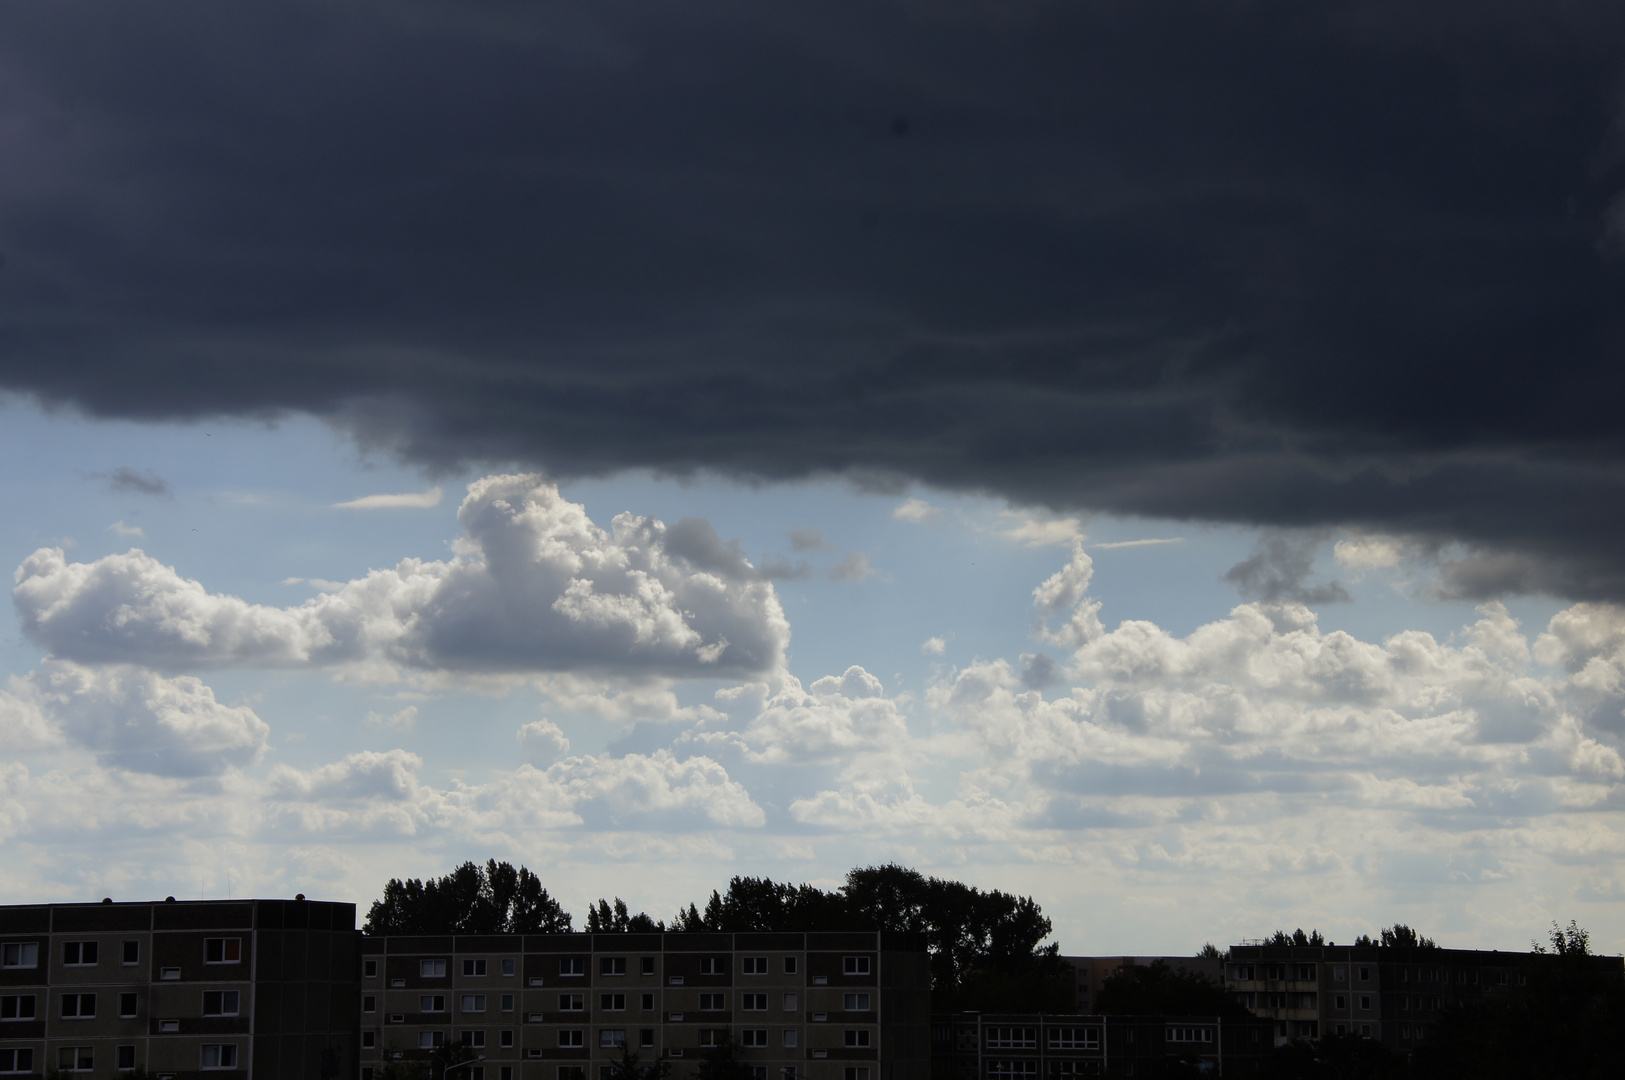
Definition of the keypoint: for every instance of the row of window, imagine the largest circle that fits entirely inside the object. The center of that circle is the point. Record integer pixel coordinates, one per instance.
(610, 1002)
(605, 1072)
(615, 1038)
(1058, 1038)
(83, 1058)
(576, 967)
(83, 1006)
(25, 954)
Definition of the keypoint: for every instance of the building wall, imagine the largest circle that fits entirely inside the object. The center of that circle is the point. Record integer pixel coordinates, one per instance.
(1037, 1046)
(819, 1006)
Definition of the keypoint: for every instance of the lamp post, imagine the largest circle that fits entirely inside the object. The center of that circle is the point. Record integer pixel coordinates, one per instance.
(471, 1061)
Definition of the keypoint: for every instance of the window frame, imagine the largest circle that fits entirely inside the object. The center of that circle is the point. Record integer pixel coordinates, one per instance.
(233, 998)
(231, 952)
(26, 953)
(81, 949)
(857, 965)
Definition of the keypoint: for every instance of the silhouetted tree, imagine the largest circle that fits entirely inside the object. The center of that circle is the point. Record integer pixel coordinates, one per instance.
(1336, 1057)
(722, 1061)
(1210, 951)
(1297, 937)
(1162, 988)
(630, 1067)
(495, 898)
(602, 919)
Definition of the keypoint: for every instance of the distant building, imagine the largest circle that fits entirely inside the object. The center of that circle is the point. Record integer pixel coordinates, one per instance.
(182, 988)
(1393, 995)
(1037, 1046)
(1088, 973)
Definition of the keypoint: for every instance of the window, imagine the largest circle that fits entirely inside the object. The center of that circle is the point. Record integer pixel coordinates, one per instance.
(224, 950)
(428, 1040)
(567, 1072)
(789, 965)
(131, 954)
(612, 965)
(611, 1037)
(432, 1003)
(753, 1002)
(19, 954)
(505, 1040)
(18, 1007)
(789, 1039)
(612, 1002)
(856, 1037)
(507, 1003)
(473, 1003)
(369, 1003)
(125, 1058)
(472, 968)
(1340, 974)
(1012, 1038)
(790, 1003)
(570, 1003)
(431, 969)
(753, 965)
(1342, 1002)
(75, 1058)
(78, 953)
(646, 966)
(78, 1006)
(221, 1002)
(572, 966)
(571, 1037)
(169, 1027)
(16, 1061)
(1242, 972)
(758, 1072)
(1006, 1070)
(508, 968)
(1074, 1038)
(369, 1040)
(713, 1002)
(1365, 973)
(126, 1005)
(647, 1002)
(855, 1002)
(713, 965)
(369, 969)
(646, 1036)
(219, 1055)
(854, 965)
(1064, 1070)
(505, 1073)
(1190, 1035)
(753, 1037)
(1304, 972)
(1306, 1029)
(710, 1037)
(1365, 1002)
(476, 1039)
(1365, 1031)
(856, 1072)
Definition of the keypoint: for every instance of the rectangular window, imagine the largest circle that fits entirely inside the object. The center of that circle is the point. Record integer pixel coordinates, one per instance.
(507, 1003)
(711, 1037)
(646, 966)
(473, 968)
(646, 1036)
(571, 1037)
(753, 1002)
(369, 1004)
(612, 965)
(790, 1038)
(125, 1056)
(1074, 1038)
(611, 1038)
(1010, 1070)
(1365, 1002)
(1340, 974)
(1365, 973)
(369, 1040)
(131, 954)
(428, 1040)
(432, 1003)
(647, 1002)
(855, 1002)
(16, 1061)
(19, 954)
(753, 965)
(856, 1072)
(713, 1002)
(78, 1006)
(17, 1007)
(75, 1058)
(508, 968)
(570, 1003)
(854, 965)
(1012, 1038)
(567, 1072)
(219, 1055)
(856, 1037)
(572, 966)
(221, 1002)
(753, 1037)
(505, 1040)
(612, 1002)
(369, 969)
(1342, 1002)
(713, 965)
(758, 1072)
(78, 953)
(472, 1003)
(1304, 973)
(505, 1073)
(790, 1003)
(789, 965)
(476, 1039)
(127, 1005)
(431, 969)
(169, 1027)
(223, 950)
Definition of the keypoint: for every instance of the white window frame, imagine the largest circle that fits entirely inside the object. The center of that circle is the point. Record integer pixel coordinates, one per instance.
(856, 1038)
(856, 965)
(230, 1002)
(224, 1054)
(79, 949)
(19, 954)
(15, 1003)
(472, 1003)
(473, 969)
(855, 1002)
(431, 969)
(228, 945)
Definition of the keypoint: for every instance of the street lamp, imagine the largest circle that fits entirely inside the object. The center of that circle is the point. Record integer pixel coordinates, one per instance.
(471, 1061)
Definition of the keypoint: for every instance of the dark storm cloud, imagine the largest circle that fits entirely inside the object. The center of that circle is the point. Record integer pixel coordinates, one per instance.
(1261, 262)
(1280, 567)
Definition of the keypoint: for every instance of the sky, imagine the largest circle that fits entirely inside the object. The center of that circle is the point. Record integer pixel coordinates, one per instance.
(1162, 458)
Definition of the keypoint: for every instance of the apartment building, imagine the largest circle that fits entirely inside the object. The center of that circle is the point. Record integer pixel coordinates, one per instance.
(184, 989)
(1393, 995)
(813, 1006)
(1037, 1046)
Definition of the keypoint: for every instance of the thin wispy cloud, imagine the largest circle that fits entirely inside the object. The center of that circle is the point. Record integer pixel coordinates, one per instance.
(421, 500)
(1137, 543)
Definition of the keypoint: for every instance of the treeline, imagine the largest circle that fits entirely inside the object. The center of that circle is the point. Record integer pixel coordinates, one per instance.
(986, 949)
(1397, 936)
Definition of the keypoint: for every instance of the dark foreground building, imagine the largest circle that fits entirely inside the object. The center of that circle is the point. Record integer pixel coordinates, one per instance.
(184, 989)
(1039, 1046)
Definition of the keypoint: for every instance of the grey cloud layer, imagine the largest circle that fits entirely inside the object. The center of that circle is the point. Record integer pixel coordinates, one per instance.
(538, 587)
(1358, 261)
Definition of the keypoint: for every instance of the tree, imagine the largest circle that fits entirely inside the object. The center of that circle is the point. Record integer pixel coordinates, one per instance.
(493, 899)
(604, 920)
(1400, 936)
(631, 1068)
(722, 1061)
(1161, 988)
(1297, 937)
(1210, 951)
